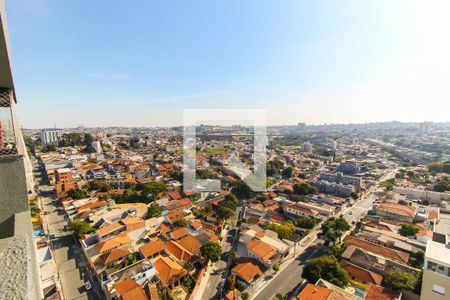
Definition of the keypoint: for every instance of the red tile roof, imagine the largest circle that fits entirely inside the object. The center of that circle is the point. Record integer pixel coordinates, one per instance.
(130, 290)
(174, 195)
(247, 271)
(398, 209)
(380, 293)
(168, 269)
(377, 249)
(314, 292)
(362, 275)
(261, 249)
(114, 255)
(152, 248)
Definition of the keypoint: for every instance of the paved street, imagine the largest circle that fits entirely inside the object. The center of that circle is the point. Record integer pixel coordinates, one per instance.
(290, 277)
(216, 271)
(68, 256)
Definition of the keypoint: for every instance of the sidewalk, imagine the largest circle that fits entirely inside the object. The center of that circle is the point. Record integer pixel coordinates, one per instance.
(206, 287)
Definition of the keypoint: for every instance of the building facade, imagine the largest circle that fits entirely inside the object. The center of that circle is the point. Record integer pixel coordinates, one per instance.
(436, 271)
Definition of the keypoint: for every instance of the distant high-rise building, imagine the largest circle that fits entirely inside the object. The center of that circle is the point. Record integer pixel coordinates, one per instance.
(425, 127)
(97, 146)
(307, 147)
(50, 137)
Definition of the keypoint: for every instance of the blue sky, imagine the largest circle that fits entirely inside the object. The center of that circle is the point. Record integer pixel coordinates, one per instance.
(141, 62)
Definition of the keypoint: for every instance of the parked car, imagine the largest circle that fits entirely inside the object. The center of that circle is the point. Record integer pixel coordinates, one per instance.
(88, 285)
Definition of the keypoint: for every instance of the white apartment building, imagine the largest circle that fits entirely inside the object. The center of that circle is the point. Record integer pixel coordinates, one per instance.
(50, 137)
(436, 271)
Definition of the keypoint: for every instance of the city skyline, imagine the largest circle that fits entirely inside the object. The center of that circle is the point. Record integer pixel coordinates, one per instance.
(100, 65)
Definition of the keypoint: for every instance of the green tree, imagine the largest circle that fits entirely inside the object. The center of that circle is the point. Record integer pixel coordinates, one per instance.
(442, 186)
(225, 212)
(154, 210)
(305, 189)
(284, 230)
(242, 191)
(416, 260)
(273, 168)
(211, 251)
(328, 268)
(354, 195)
(181, 223)
(388, 184)
(336, 250)
(49, 148)
(276, 267)
(280, 296)
(332, 229)
(307, 223)
(188, 283)
(97, 185)
(399, 280)
(81, 228)
(188, 267)
(408, 230)
(77, 193)
(287, 173)
(233, 255)
(231, 282)
(436, 166)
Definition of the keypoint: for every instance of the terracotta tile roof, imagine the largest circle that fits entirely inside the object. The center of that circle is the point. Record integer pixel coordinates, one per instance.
(107, 229)
(377, 249)
(132, 220)
(381, 293)
(130, 290)
(165, 228)
(302, 209)
(432, 215)
(180, 233)
(398, 209)
(185, 202)
(247, 271)
(362, 275)
(212, 235)
(168, 270)
(378, 226)
(231, 295)
(113, 243)
(152, 248)
(314, 292)
(92, 205)
(196, 224)
(189, 193)
(263, 250)
(114, 255)
(174, 195)
(190, 243)
(178, 251)
(174, 216)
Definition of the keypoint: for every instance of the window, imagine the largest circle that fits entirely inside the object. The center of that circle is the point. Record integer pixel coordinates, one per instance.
(439, 289)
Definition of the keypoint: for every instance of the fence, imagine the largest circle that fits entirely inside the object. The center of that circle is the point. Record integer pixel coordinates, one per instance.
(11, 143)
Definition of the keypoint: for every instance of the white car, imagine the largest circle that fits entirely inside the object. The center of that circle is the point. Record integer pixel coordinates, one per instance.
(87, 285)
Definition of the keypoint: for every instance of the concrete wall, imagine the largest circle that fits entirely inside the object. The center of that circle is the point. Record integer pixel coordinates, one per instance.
(13, 190)
(434, 197)
(429, 279)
